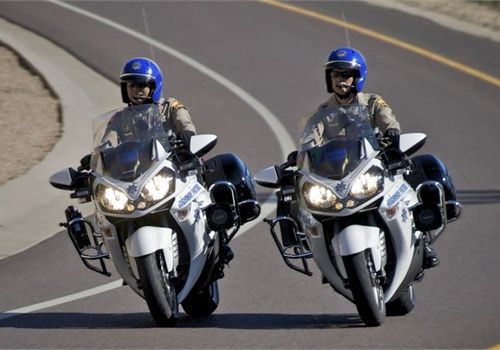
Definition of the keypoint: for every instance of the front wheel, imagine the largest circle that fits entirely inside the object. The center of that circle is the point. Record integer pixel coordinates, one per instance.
(159, 293)
(366, 290)
(202, 303)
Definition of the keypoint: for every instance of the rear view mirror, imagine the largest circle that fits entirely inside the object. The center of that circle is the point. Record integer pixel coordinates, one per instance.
(63, 179)
(202, 144)
(269, 177)
(410, 143)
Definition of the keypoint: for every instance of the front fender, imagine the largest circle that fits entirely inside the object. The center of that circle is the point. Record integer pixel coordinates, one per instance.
(357, 238)
(149, 239)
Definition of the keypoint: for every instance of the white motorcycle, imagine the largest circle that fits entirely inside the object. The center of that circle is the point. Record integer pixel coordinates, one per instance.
(362, 212)
(166, 234)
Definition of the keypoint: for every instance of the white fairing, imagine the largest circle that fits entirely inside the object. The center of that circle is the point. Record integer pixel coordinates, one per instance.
(149, 239)
(357, 238)
(367, 151)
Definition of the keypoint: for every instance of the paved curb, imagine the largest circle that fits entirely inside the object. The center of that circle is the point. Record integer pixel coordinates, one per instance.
(30, 209)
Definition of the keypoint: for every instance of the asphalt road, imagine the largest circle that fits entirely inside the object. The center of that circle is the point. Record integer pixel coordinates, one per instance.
(277, 56)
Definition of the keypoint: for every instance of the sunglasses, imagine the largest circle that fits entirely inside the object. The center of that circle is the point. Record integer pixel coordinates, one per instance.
(345, 74)
(140, 85)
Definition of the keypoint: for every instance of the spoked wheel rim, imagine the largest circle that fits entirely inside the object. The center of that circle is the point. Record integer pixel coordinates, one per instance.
(377, 290)
(168, 288)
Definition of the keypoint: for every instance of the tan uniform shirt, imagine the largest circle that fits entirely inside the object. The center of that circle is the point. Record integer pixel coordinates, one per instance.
(381, 116)
(177, 117)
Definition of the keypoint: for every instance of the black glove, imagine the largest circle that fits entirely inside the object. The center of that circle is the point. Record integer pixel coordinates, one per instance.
(84, 163)
(392, 132)
(393, 135)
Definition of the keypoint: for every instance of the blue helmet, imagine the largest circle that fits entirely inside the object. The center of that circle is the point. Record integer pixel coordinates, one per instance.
(141, 70)
(346, 58)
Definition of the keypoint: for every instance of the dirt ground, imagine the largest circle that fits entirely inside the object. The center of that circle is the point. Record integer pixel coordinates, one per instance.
(485, 13)
(30, 115)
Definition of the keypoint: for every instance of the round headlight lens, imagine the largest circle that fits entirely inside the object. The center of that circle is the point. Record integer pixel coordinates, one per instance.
(367, 185)
(159, 187)
(112, 199)
(318, 196)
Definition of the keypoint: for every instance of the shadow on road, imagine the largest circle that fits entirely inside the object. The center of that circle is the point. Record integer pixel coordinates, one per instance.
(74, 320)
(478, 196)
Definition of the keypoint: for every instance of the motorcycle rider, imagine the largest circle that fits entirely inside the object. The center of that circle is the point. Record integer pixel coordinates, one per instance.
(141, 82)
(345, 73)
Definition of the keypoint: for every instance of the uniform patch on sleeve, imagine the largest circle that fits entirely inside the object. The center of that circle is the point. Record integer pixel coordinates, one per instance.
(177, 104)
(382, 103)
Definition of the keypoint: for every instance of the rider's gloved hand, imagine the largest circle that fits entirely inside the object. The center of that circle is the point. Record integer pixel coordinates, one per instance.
(84, 163)
(393, 135)
(392, 132)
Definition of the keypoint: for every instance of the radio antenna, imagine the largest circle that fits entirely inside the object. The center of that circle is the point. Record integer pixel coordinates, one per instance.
(146, 26)
(346, 30)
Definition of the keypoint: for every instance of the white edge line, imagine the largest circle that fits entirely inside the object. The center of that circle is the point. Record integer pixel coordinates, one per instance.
(62, 300)
(284, 139)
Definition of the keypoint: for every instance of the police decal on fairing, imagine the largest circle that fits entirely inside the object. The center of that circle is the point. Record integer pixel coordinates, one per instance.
(394, 198)
(192, 192)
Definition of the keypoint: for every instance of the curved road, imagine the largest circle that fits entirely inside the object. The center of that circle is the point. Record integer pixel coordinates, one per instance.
(276, 55)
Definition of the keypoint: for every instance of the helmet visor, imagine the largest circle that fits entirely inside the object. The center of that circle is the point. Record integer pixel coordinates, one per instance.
(344, 65)
(138, 79)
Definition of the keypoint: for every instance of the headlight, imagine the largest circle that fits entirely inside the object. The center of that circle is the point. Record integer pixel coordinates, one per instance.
(368, 184)
(113, 200)
(159, 187)
(318, 196)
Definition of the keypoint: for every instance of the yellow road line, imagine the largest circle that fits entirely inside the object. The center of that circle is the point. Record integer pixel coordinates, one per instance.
(388, 39)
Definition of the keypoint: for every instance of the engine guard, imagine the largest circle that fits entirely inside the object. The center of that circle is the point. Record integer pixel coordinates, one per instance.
(300, 250)
(87, 242)
(357, 238)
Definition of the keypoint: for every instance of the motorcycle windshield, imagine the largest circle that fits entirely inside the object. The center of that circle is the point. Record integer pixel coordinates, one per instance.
(334, 142)
(124, 141)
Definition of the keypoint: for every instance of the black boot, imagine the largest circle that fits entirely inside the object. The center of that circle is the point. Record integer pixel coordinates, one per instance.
(227, 254)
(430, 256)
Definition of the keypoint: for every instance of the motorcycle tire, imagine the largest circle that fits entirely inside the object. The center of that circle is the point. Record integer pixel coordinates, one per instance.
(159, 293)
(202, 303)
(366, 290)
(403, 304)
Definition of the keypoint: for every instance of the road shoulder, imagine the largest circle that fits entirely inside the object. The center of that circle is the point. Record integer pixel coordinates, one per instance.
(30, 209)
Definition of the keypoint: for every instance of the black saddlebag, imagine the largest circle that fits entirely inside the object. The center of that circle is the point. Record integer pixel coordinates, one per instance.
(429, 167)
(228, 167)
